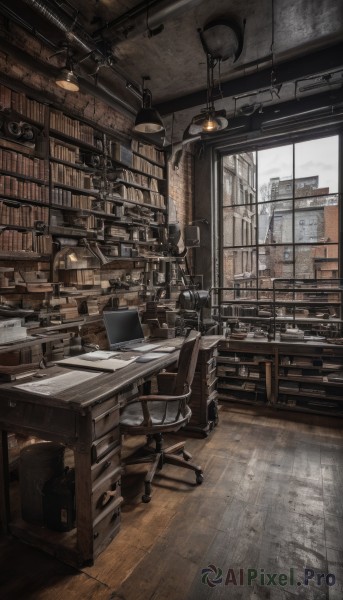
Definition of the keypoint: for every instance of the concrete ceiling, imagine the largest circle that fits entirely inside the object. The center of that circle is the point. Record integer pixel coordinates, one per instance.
(301, 38)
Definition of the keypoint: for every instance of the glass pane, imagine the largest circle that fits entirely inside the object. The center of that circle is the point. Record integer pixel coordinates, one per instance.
(239, 266)
(275, 174)
(239, 226)
(316, 262)
(275, 223)
(316, 220)
(274, 261)
(239, 176)
(316, 167)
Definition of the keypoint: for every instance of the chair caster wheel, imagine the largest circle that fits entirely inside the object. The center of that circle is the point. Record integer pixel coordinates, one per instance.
(146, 498)
(199, 478)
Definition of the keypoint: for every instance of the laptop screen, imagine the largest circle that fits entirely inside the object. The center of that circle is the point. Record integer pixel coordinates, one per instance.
(122, 327)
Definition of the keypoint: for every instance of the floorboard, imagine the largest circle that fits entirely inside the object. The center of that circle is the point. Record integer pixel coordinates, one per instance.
(271, 500)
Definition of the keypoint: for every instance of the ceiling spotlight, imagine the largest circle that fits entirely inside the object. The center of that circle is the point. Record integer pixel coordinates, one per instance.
(148, 119)
(67, 80)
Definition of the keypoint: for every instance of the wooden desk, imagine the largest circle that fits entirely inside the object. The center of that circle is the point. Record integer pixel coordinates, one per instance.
(86, 419)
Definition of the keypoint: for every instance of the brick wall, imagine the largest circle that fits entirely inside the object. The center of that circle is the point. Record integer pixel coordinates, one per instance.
(181, 188)
(181, 181)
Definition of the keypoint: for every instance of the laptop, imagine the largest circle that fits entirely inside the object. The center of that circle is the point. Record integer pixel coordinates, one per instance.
(124, 331)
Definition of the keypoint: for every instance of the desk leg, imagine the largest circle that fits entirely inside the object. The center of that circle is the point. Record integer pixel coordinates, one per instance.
(83, 492)
(5, 482)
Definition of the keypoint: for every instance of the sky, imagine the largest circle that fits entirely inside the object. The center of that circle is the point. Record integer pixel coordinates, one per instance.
(316, 157)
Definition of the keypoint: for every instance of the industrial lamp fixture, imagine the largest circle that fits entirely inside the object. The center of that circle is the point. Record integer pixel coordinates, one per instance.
(148, 119)
(66, 78)
(210, 119)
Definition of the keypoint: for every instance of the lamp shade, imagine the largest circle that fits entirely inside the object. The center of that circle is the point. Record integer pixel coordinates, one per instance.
(67, 80)
(148, 120)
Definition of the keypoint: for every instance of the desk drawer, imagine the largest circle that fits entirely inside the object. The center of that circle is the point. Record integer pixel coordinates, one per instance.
(105, 444)
(105, 421)
(109, 462)
(106, 491)
(106, 526)
(30, 416)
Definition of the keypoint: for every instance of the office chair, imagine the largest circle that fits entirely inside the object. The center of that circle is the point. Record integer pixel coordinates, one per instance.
(167, 411)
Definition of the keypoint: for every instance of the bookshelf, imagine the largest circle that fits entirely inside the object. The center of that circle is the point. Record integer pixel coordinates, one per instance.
(69, 185)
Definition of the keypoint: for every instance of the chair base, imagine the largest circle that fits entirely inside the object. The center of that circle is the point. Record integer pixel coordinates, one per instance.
(159, 456)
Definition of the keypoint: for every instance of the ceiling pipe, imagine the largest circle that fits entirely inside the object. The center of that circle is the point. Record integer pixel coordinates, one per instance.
(99, 91)
(146, 16)
(85, 43)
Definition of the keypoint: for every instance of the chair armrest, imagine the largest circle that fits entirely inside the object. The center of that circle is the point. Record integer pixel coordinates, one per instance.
(159, 398)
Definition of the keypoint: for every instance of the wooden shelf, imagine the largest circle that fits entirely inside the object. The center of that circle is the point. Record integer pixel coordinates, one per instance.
(72, 232)
(78, 166)
(124, 166)
(151, 160)
(94, 193)
(24, 255)
(74, 141)
(16, 175)
(24, 200)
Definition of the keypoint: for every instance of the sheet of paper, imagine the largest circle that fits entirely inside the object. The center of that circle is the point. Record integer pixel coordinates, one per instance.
(98, 355)
(166, 349)
(150, 356)
(111, 364)
(53, 385)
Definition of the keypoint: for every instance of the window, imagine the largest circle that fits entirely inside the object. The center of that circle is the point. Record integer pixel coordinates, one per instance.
(293, 211)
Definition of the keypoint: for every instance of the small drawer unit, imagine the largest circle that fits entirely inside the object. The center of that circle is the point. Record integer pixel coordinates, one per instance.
(105, 465)
(204, 388)
(105, 491)
(106, 473)
(104, 419)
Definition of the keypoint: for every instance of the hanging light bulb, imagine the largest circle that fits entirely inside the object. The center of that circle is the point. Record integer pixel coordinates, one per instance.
(210, 123)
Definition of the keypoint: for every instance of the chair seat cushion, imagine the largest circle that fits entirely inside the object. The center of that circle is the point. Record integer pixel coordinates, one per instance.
(132, 415)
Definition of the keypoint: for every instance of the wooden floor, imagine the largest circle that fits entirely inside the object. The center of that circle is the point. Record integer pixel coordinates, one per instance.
(272, 499)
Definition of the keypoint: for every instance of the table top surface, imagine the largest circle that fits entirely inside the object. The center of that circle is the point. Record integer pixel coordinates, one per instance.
(102, 387)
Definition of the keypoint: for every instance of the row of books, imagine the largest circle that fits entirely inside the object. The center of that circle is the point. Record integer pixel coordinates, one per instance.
(14, 241)
(140, 196)
(20, 103)
(66, 198)
(69, 176)
(137, 179)
(148, 151)
(62, 152)
(69, 312)
(22, 215)
(110, 208)
(81, 277)
(143, 165)
(21, 164)
(27, 190)
(117, 232)
(87, 222)
(71, 127)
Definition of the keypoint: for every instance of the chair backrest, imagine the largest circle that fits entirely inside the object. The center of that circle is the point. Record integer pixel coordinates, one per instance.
(187, 362)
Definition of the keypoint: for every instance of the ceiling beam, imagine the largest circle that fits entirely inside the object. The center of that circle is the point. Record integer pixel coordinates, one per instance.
(324, 110)
(318, 62)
